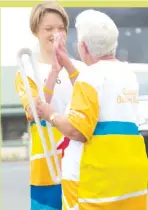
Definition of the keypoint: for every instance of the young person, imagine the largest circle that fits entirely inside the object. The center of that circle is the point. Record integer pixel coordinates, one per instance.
(47, 19)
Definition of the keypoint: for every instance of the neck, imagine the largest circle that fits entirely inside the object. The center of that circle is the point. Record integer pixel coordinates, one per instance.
(95, 60)
(45, 57)
(107, 58)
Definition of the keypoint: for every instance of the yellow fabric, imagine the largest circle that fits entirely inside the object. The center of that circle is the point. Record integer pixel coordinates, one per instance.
(71, 198)
(22, 92)
(111, 160)
(134, 203)
(84, 110)
(39, 170)
(63, 205)
(107, 163)
(37, 147)
(113, 166)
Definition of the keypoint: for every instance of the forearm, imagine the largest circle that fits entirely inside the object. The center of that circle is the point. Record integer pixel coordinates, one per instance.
(50, 84)
(62, 124)
(73, 79)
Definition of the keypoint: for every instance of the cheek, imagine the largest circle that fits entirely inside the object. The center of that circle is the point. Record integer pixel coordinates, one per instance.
(64, 35)
(47, 34)
(44, 35)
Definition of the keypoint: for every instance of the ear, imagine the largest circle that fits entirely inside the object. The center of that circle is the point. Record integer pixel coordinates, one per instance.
(85, 48)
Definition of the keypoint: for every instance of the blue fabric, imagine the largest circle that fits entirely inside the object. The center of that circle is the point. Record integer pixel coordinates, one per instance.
(37, 206)
(46, 197)
(43, 123)
(116, 128)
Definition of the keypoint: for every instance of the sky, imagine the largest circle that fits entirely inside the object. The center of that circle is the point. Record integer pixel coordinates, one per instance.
(15, 34)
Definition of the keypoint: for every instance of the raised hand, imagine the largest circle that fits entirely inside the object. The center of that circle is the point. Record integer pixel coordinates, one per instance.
(56, 66)
(61, 52)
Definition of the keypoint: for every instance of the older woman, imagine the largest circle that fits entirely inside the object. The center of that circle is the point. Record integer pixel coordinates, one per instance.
(105, 166)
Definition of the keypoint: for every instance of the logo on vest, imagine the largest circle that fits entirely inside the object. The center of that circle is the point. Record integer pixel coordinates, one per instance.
(128, 96)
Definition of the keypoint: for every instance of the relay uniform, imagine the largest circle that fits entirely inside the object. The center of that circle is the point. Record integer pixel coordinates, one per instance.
(43, 195)
(110, 170)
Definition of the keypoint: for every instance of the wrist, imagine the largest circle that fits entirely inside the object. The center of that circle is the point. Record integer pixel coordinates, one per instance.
(52, 117)
(74, 74)
(47, 90)
(72, 71)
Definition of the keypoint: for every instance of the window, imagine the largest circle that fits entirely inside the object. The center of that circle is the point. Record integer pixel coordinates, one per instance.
(13, 127)
(142, 78)
(133, 29)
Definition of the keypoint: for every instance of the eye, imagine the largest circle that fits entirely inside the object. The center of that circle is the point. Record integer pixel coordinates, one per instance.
(48, 29)
(62, 28)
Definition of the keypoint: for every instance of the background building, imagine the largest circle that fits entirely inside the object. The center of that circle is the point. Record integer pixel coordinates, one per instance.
(13, 120)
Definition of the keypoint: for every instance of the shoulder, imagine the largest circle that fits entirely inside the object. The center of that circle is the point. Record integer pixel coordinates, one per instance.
(93, 75)
(19, 80)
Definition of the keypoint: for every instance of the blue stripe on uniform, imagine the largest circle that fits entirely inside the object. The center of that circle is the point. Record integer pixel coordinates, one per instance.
(43, 123)
(116, 128)
(50, 196)
(37, 206)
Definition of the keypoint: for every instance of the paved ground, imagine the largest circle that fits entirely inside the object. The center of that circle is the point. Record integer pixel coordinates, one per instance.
(15, 186)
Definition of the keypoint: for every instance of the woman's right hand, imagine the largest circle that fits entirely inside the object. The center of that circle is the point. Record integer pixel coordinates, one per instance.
(61, 52)
(56, 66)
(62, 55)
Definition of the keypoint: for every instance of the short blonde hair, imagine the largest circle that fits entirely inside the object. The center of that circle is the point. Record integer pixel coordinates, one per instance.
(39, 11)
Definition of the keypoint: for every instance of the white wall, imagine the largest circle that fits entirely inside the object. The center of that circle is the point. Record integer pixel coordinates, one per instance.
(15, 33)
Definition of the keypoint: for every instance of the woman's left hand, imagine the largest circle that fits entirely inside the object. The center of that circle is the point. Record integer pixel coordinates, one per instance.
(44, 110)
(61, 52)
(56, 66)
(62, 55)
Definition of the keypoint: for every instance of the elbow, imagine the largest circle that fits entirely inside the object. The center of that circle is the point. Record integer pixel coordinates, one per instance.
(78, 136)
(75, 135)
